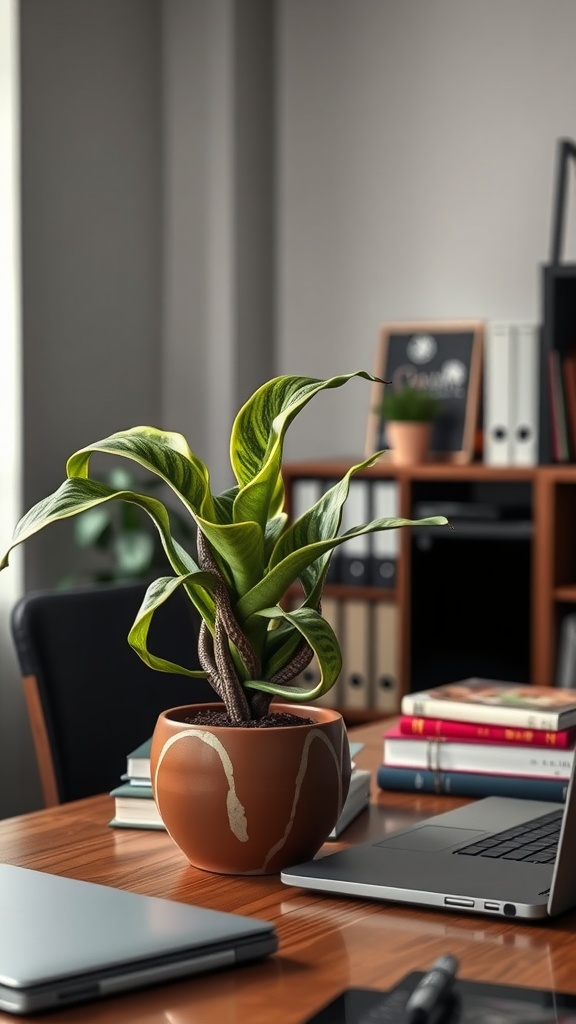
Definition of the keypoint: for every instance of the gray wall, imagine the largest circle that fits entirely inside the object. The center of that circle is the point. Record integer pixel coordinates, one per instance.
(217, 190)
(91, 237)
(218, 151)
(416, 157)
(147, 231)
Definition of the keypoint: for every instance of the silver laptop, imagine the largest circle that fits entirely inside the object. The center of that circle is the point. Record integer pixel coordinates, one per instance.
(64, 941)
(498, 856)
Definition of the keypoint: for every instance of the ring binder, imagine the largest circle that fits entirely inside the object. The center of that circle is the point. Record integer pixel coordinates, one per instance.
(558, 299)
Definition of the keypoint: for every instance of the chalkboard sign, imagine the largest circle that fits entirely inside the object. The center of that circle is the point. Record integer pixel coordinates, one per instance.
(444, 359)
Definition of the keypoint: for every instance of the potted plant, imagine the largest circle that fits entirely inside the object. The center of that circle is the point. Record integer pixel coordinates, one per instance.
(409, 413)
(241, 787)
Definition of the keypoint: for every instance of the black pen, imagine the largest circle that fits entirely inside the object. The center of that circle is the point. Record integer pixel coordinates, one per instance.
(431, 991)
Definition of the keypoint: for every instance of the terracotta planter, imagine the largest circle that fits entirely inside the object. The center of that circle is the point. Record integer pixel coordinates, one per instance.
(409, 441)
(250, 801)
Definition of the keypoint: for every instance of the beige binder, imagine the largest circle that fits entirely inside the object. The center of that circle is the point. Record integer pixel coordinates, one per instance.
(385, 646)
(356, 654)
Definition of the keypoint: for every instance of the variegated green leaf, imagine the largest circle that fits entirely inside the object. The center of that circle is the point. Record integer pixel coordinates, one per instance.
(320, 522)
(161, 452)
(258, 554)
(157, 593)
(321, 637)
(257, 440)
(79, 494)
(241, 548)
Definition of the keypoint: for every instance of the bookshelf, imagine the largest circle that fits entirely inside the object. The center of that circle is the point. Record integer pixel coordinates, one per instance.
(486, 598)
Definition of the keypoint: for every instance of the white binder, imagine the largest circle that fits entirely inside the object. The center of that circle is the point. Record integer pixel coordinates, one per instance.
(356, 654)
(499, 394)
(526, 371)
(354, 558)
(386, 647)
(386, 544)
(306, 491)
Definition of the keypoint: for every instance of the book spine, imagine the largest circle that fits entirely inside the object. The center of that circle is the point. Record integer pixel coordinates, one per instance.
(485, 714)
(468, 756)
(471, 784)
(412, 725)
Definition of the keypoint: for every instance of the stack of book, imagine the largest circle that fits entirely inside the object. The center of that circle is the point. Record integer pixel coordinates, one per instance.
(135, 807)
(481, 737)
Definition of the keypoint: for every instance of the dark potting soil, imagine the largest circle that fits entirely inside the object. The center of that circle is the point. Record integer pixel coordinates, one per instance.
(270, 721)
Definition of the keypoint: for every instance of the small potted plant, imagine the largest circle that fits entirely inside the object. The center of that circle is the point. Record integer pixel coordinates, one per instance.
(241, 786)
(409, 413)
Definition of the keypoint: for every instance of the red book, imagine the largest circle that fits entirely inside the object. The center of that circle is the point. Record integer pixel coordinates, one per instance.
(412, 725)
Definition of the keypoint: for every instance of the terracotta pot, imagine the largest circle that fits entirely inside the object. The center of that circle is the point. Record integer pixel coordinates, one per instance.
(250, 801)
(409, 441)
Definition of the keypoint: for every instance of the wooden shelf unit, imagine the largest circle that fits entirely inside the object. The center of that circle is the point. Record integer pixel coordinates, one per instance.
(547, 553)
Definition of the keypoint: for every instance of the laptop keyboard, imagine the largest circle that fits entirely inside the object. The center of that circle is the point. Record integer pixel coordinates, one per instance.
(535, 841)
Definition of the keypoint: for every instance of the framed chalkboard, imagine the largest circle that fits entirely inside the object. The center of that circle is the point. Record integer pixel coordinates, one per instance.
(444, 359)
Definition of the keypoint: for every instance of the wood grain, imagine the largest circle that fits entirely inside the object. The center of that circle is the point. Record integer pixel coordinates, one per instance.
(325, 944)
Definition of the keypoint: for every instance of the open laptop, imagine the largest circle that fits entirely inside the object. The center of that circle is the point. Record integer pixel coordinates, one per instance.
(497, 856)
(64, 941)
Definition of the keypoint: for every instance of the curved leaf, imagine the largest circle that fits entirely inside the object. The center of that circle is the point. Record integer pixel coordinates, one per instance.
(162, 452)
(257, 439)
(157, 593)
(321, 637)
(78, 494)
(320, 522)
(273, 587)
(241, 546)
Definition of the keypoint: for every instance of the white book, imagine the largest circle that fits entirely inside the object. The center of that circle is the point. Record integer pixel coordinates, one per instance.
(357, 800)
(493, 702)
(444, 754)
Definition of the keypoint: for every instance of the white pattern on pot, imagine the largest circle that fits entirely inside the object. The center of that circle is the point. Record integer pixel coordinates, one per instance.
(312, 735)
(236, 812)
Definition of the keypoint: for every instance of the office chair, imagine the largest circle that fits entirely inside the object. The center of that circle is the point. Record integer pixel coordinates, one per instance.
(90, 698)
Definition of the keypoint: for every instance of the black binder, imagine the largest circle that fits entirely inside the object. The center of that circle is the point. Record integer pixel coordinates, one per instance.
(558, 329)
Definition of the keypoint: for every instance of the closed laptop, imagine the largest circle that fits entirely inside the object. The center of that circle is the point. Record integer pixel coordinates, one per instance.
(65, 941)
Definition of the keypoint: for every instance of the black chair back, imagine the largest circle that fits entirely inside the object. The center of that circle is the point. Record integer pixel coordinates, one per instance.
(90, 698)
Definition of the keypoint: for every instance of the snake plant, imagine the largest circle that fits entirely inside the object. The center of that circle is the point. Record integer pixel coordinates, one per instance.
(249, 554)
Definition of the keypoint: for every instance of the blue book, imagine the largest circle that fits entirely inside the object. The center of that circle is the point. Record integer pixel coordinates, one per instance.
(471, 784)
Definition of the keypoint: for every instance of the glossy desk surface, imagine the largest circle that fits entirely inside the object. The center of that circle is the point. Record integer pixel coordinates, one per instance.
(326, 944)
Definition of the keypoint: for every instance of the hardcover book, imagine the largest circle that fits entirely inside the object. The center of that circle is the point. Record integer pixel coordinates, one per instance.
(135, 807)
(138, 763)
(412, 725)
(420, 780)
(439, 754)
(492, 702)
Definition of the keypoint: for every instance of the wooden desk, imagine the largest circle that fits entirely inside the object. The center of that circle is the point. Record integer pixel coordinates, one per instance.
(325, 944)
